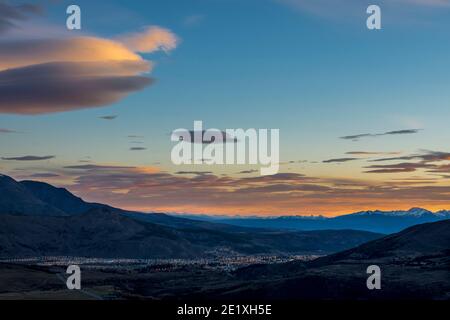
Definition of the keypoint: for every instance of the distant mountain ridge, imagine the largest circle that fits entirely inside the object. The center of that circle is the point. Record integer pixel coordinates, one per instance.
(413, 212)
(374, 221)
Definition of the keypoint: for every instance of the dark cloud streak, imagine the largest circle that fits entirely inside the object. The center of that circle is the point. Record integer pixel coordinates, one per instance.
(28, 158)
(340, 160)
(389, 133)
(10, 15)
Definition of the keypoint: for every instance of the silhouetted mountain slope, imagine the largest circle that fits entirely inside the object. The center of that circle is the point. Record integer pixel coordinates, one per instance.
(57, 197)
(97, 233)
(17, 199)
(424, 239)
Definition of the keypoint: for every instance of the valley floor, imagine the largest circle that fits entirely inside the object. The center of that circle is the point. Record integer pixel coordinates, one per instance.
(427, 278)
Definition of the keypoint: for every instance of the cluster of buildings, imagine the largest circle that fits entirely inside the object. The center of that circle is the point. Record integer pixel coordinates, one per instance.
(219, 262)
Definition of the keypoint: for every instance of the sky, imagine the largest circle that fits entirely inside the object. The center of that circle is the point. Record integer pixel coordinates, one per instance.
(363, 114)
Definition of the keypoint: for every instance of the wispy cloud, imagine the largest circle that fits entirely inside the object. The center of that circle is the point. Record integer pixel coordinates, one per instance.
(2, 130)
(198, 173)
(98, 167)
(429, 156)
(137, 149)
(427, 161)
(43, 175)
(150, 39)
(389, 133)
(397, 168)
(340, 160)
(11, 15)
(28, 158)
(371, 153)
(248, 171)
(109, 117)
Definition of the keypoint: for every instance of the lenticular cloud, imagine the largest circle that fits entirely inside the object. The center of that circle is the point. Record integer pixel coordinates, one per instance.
(54, 75)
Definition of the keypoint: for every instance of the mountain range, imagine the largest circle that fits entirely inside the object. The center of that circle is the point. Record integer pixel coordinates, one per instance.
(373, 221)
(38, 219)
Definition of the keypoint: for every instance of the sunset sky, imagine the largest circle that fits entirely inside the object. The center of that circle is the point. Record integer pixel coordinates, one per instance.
(363, 115)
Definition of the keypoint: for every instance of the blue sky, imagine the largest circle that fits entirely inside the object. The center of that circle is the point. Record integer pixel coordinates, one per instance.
(315, 72)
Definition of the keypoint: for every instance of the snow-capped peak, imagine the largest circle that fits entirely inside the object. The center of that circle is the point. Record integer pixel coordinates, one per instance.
(413, 212)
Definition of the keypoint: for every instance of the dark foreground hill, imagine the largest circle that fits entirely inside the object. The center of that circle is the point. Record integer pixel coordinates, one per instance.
(414, 264)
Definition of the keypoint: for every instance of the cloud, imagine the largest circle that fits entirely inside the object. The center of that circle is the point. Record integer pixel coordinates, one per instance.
(2, 130)
(97, 167)
(65, 86)
(44, 175)
(248, 171)
(370, 153)
(20, 53)
(409, 131)
(39, 76)
(151, 39)
(137, 148)
(398, 167)
(28, 158)
(142, 188)
(11, 15)
(430, 156)
(427, 161)
(194, 172)
(445, 168)
(108, 117)
(389, 133)
(340, 160)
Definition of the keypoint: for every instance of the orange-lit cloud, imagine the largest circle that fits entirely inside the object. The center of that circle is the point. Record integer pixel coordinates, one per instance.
(150, 39)
(14, 54)
(53, 75)
(148, 189)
